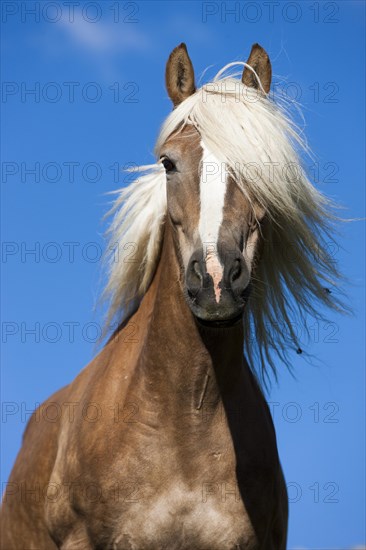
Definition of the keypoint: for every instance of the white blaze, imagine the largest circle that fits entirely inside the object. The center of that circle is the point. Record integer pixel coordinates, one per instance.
(212, 197)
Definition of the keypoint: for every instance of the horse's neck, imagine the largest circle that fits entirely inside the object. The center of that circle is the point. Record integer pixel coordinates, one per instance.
(180, 365)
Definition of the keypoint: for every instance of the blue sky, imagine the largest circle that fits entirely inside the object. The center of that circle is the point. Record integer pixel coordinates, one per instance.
(97, 103)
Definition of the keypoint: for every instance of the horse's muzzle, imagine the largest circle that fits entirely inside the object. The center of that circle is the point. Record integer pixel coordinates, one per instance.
(217, 292)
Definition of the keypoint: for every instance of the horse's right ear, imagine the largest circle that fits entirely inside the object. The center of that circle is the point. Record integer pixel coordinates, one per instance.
(179, 75)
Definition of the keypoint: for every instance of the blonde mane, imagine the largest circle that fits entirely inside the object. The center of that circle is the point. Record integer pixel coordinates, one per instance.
(255, 137)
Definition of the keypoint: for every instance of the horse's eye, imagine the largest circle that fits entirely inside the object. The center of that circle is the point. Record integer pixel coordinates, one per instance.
(252, 223)
(168, 164)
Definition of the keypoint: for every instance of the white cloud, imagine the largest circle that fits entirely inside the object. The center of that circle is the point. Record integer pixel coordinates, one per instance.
(104, 38)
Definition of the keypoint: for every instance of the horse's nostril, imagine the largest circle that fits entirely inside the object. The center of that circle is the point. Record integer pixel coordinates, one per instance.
(236, 271)
(191, 294)
(194, 278)
(196, 269)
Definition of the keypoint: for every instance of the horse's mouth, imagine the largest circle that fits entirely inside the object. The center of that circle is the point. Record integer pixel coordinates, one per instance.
(220, 323)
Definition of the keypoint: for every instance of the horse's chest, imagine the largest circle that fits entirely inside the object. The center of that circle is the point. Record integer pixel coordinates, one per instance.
(209, 517)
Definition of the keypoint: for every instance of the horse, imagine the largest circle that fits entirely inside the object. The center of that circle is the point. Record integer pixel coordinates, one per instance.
(165, 440)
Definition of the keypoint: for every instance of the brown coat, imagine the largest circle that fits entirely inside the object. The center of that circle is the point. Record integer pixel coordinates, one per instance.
(165, 441)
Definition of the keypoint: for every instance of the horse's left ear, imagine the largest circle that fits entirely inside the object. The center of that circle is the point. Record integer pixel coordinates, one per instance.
(179, 75)
(260, 62)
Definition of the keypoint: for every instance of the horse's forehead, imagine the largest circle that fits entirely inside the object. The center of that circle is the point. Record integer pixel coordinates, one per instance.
(186, 140)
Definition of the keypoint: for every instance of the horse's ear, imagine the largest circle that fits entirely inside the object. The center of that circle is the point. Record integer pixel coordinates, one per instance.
(260, 62)
(179, 75)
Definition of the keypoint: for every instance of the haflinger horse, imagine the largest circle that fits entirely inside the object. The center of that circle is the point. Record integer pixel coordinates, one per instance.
(165, 440)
